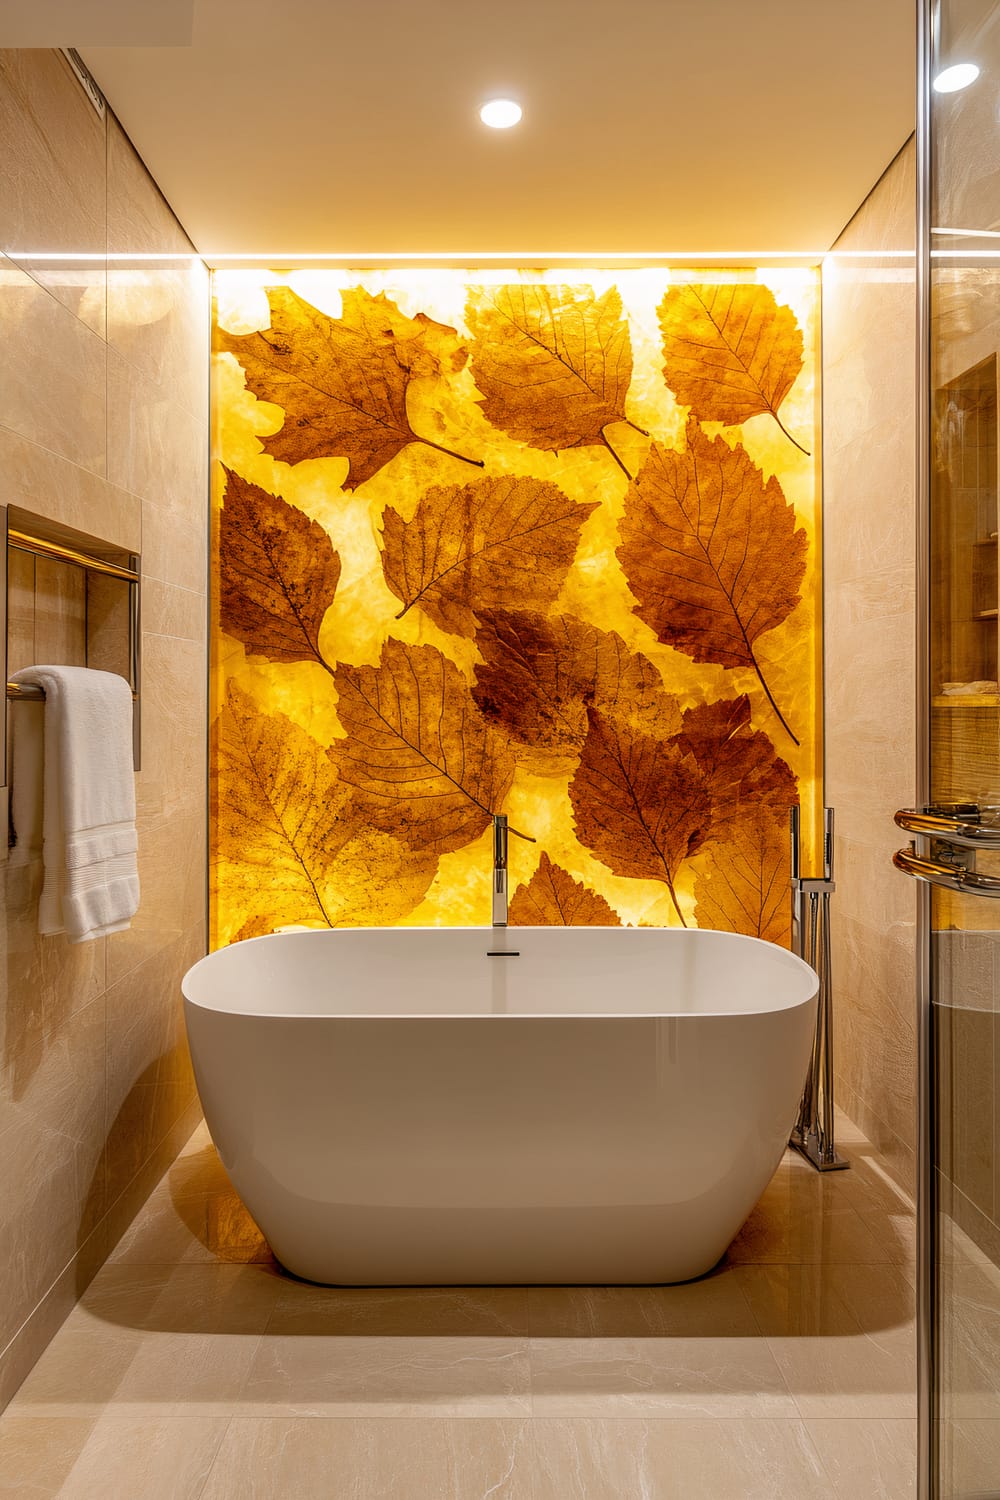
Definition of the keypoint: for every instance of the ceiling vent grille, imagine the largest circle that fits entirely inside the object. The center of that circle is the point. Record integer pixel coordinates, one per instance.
(86, 79)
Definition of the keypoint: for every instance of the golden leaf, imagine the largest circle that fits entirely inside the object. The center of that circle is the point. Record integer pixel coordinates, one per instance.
(342, 382)
(743, 768)
(640, 804)
(730, 351)
(743, 883)
(540, 673)
(552, 898)
(472, 547)
(427, 766)
(554, 363)
(278, 573)
(288, 836)
(711, 552)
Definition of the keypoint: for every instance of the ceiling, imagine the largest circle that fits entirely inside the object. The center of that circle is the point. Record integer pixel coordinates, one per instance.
(650, 126)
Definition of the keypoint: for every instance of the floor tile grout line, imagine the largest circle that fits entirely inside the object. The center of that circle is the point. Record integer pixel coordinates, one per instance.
(215, 1459)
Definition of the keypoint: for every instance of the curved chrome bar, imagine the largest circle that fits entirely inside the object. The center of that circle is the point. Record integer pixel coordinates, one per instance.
(954, 878)
(953, 830)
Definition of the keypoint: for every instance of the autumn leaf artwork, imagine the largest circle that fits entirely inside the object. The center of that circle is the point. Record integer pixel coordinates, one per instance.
(513, 542)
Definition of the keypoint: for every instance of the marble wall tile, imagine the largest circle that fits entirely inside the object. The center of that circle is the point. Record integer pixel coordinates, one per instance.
(156, 448)
(158, 309)
(173, 777)
(60, 613)
(175, 547)
(150, 1081)
(47, 485)
(20, 611)
(52, 191)
(51, 1163)
(130, 470)
(55, 372)
(172, 857)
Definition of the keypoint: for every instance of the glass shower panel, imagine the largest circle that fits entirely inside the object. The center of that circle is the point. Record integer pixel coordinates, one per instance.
(964, 778)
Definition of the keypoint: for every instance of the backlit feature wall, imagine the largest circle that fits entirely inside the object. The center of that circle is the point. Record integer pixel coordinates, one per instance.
(540, 543)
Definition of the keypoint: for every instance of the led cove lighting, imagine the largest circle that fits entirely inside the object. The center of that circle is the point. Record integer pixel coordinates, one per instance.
(958, 76)
(500, 114)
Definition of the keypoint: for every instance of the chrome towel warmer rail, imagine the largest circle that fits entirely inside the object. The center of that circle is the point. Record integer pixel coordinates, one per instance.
(955, 832)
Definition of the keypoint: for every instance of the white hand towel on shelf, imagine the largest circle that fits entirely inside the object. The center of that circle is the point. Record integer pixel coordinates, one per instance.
(89, 842)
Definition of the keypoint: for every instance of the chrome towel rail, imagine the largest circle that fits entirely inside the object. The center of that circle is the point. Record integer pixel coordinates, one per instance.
(961, 825)
(952, 877)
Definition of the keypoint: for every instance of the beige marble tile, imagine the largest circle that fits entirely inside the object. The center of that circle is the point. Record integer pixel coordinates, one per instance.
(60, 613)
(20, 611)
(170, 1342)
(172, 892)
(55, 370)
(970, 1456)
(51, 1157)
(48, 1315)
(52, 192)
(156, 448)
(368, 1375)
(868, 1459)
(75, 1458)
(192, 1230)
(175, 546)
(172, 780)
(677, 1460)
(657, 1377)
(44, 484)
(313, 1459)
(149, 1068)
(713, 1307)
(158, 309)
(400, 1312)
(172, 611)
(780, 1232)
(969, 1348)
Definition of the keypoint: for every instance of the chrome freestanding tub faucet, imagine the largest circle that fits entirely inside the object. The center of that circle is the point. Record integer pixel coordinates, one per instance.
(500, 870)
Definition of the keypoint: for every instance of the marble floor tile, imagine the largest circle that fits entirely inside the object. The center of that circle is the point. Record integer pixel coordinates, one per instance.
(400, 1312)
(970, 1456)
(779, 1231)
(154, 1341)
(114, 1457)
(677, 1460)
(867, 1459)
(369, 1376)
(314, 1459)
(713, 1307)
(657, 1377)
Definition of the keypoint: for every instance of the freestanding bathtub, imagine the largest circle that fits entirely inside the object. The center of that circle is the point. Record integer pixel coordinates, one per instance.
(438, 1106)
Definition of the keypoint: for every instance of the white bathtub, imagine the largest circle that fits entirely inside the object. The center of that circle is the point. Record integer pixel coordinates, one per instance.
(400, 1106)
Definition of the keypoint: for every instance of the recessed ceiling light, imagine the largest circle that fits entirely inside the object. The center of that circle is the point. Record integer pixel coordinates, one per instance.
(958, 76)
(500, 114)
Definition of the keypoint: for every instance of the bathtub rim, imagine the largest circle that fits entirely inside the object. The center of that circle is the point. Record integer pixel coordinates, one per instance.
(808, 987)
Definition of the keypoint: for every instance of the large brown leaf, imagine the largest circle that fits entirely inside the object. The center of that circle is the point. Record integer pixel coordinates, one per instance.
(290, 845)
(472, 547)
(743, 768)
(540, 672)
(278, 573)
(743, 882)
(427, 766)
(730, 351)
(641, 805)
(554, 363)
(342, 382)
(552, 898)
(711, 551)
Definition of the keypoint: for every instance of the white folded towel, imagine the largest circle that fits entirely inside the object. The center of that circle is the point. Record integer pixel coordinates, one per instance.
(89, 841)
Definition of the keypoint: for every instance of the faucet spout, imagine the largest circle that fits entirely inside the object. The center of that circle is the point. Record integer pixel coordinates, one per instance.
(500, 870)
